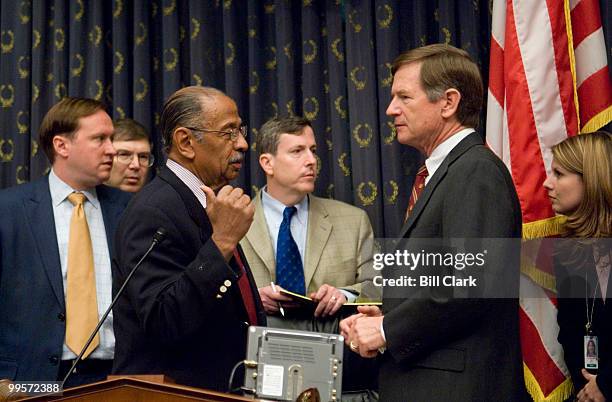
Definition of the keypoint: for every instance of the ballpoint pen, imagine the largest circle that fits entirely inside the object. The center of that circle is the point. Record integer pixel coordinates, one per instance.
(280, 307)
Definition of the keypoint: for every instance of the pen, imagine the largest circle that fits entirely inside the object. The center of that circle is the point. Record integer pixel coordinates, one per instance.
(280, 307)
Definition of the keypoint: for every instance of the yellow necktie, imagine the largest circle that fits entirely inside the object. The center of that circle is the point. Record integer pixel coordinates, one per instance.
(81, 300)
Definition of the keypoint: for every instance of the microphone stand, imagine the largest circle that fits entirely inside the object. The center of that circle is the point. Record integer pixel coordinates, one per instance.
(157, 238)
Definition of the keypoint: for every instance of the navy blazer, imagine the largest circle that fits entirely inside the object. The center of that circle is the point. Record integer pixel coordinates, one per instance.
(32, 304)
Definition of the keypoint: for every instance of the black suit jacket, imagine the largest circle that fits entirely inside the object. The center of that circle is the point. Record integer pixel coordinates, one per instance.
(32, 303)
(182, 313)
(442, 348)
(576, 278)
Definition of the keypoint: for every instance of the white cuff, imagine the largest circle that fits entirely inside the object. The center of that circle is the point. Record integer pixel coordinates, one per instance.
(350, 297)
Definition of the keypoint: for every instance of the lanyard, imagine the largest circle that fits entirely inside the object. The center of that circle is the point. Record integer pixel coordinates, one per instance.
(589, 316)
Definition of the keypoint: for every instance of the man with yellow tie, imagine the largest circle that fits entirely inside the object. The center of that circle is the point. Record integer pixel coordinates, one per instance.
(55, 240)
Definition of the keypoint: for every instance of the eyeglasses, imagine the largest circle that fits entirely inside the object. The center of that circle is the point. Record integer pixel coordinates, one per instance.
(231, 133)
(144, 158)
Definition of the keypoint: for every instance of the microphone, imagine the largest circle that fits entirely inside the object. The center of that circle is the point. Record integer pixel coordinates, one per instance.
(158, 237)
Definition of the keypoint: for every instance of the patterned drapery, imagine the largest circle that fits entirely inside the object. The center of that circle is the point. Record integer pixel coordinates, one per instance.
(326, 60)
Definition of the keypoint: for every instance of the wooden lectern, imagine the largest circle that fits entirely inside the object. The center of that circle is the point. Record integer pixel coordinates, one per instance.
(151, 388)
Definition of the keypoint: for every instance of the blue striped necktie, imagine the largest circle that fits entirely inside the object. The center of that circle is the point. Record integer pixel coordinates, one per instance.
(289, 269)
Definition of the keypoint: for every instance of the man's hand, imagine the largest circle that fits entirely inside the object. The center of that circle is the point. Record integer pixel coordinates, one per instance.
(361, 331)
(346, 325)
(330, 300)
(365, 337)
(590, 392)
(271, 299)
(370, 311)
(363, 311)
(230, 212)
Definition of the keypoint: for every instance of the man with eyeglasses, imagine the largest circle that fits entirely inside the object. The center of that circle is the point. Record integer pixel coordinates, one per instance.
(187, 310)
(133, 160)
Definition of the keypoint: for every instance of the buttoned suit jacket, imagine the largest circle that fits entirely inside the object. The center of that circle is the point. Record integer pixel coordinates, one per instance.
(182, 314)
(339, 244)
(32, 304)
(443, 348)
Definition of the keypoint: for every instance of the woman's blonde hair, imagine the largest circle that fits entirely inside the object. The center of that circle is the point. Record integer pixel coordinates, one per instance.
(590, 156)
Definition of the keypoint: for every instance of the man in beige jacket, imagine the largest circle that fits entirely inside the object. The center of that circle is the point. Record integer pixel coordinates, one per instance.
(316, 247)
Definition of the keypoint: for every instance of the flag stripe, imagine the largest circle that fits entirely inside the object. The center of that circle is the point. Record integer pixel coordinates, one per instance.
(589, 56)
(496, 72)
(595, 95)
(507, 156)
(521, 121)
(542, 312)
(495, 115)
(565, 80)
(536, 357)
(498, 23)
(573, 4)
(535, 30)
(585, 20)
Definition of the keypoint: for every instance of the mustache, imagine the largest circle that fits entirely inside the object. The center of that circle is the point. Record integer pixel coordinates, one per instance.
(238, 157)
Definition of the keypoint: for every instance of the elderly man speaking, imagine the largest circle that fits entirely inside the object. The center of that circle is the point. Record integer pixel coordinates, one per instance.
(186, 311)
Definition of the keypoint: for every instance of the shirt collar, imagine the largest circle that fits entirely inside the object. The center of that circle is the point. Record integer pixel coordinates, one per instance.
(277, 207)
(60, 191)
(189, 179)
(441, 151)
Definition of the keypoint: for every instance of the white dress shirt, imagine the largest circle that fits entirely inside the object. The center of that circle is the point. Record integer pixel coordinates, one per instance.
(62, 214)
(273, 211)
(189, 179)
(441, 151)
(433, 163)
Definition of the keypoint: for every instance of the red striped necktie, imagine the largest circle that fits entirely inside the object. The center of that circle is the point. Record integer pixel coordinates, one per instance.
(417, 189)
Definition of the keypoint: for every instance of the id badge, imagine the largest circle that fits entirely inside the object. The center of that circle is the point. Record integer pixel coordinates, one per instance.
(591, 351)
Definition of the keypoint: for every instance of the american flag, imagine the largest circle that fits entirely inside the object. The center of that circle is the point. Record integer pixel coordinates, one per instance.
(548, 80)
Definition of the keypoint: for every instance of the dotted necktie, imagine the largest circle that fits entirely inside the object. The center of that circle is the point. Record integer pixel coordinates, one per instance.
(289, 270)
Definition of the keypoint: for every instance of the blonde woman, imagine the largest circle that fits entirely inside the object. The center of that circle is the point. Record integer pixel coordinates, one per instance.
(580, 187)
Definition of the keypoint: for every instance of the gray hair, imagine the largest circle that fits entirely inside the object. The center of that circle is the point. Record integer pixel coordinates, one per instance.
(185, 108)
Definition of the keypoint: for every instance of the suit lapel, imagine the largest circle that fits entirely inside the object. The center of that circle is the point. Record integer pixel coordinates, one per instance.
(423, 199)
(319, 230)
(111, 211)
(194, 208)
(465, 144)
(259, 237)
(39, 209)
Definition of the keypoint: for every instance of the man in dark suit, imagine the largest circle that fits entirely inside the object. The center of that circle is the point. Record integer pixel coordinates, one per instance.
(436, 344)
(37, 306)
(186, 311)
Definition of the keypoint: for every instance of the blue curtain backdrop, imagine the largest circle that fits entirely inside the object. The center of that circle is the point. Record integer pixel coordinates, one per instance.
(327, 60)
